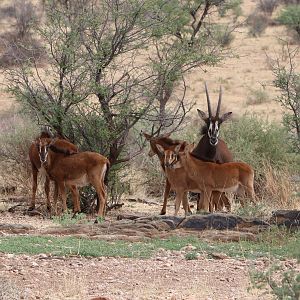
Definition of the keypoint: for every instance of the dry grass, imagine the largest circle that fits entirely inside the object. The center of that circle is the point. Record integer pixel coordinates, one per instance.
(69, 287)
(277, 191)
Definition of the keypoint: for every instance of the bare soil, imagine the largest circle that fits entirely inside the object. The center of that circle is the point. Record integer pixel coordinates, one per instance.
(168, 275)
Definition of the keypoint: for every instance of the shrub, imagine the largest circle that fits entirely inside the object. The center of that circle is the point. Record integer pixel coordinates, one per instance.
(266, 148)
(19, 45)
(257, 23)
(290, 16)
(223, 35)
(154, 179)
(287, 80)
(16, 134)
(267, 6)
(256, 142)
(290, 2)
(191, 256)
(25, 16)
(257, 96)
(283, 284)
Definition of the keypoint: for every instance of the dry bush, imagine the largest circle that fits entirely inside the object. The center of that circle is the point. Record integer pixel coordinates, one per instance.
(257, 22)
(25, 15)
(7, 12)
(290, 2)
(19, 45)
(154, 178)
(15, 51)
(267, 6)
(257, 96)
(16, 135)
(277, 191)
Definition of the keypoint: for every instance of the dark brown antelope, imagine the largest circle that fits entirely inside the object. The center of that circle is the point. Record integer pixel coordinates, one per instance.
(187, 173)
(167, 143)
(80, 169)
(212, 149)
(36, 167)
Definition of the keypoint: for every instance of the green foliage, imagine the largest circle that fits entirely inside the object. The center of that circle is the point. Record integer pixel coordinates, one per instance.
(69, 219)
(191, 256)
(284, 285)
(233, 5)
(256, 142)
(257, 210)
(290, 16)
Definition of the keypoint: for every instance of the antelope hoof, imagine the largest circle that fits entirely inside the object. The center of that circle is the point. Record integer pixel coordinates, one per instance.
(75, 214)
(162, 213)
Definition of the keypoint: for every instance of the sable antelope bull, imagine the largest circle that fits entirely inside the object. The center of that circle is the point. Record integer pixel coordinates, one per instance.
(212, 149)
(195, 175)
(80, 169)
(68, 149)
(167, 143)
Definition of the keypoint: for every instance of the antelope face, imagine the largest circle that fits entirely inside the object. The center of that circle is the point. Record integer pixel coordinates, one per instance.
(213, 132)
(213, 122)
(171, 158)
(43, 149)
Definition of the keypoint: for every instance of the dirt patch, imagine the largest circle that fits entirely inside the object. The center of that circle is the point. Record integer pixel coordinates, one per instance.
(165, 276)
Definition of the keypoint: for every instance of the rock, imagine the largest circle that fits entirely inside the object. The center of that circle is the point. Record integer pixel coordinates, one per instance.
(288, 218)
(188, 248)
(15, 228)
(218, 221)
(217, 255)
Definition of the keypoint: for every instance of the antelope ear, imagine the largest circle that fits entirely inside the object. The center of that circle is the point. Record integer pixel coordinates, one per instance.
(146, 135)
(177, 148)
(160, 149)
(226, 116)
(202, 114)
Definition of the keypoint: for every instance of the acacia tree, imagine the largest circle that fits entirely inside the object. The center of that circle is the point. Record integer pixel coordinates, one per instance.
(97, 85)
(287, 80)
(188, 38)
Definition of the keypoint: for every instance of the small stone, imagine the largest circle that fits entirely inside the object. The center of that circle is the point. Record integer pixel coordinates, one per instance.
(188, 248)
(218, 255)
(34, 264)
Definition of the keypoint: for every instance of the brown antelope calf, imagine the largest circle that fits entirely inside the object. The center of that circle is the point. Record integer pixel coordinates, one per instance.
(36, 167)
(80, 169)
(167, 143)
(186, 173)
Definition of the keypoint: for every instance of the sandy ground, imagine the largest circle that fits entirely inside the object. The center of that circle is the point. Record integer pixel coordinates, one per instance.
(165, 276)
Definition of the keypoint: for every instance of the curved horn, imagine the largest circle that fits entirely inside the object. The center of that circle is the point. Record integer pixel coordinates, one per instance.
(219, 102)
(208, 101)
